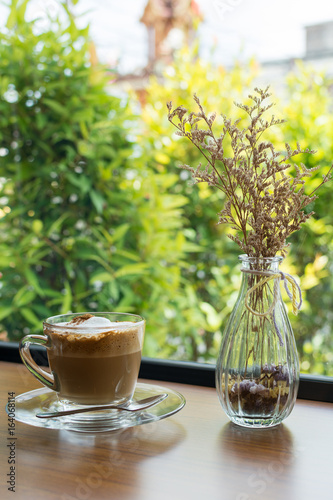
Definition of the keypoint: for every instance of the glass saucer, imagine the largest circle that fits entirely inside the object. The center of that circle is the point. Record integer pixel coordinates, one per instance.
(30, 403)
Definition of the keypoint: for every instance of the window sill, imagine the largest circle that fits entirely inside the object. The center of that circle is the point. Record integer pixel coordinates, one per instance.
(311, 387)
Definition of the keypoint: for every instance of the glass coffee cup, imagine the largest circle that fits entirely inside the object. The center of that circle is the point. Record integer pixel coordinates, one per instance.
(94, 357)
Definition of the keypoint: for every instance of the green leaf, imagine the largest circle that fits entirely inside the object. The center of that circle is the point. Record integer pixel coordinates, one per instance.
(11, 20)
(139, 269)
(127, 255)
(49, 292)
(56, 226)
(24, 296)
(5, 311)
(6, 257)
(103, 276)
(30, 316)
(22, 10)
(86, 149)
(67, 300)
(192, 247)
(56, 107)
(97, 200)
(162, 158)
(114, 290)
(80, 181)
(84, 130)
(69, 268)
(120, 231)
(33, 281)
(212, 317)
(105, 124)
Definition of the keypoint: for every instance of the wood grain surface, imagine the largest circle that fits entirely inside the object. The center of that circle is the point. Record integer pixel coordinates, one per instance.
(195, 454)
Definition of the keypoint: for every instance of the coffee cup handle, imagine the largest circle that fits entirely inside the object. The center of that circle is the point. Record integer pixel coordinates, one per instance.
(43, 376)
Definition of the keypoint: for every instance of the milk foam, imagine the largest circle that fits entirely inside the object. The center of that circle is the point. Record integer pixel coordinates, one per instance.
(94, 335)
(95, 324)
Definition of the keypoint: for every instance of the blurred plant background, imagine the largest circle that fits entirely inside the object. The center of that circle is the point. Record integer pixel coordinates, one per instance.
(96, 215)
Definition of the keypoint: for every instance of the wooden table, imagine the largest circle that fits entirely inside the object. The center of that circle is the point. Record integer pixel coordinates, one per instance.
(195, 454)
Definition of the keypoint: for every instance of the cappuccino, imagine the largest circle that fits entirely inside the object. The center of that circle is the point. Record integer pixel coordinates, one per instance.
(95, 361)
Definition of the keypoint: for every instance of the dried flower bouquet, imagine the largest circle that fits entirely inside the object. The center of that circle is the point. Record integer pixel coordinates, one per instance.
(264, 202)
(258, 368)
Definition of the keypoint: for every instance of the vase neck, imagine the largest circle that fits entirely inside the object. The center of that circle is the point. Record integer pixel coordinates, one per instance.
(260, 264)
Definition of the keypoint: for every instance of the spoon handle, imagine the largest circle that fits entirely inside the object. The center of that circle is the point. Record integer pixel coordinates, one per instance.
(134, 406)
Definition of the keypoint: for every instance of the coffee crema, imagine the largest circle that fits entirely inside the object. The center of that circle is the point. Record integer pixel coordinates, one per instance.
(96, 364)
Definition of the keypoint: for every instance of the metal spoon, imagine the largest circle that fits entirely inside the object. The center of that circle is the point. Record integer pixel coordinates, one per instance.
(133, 406)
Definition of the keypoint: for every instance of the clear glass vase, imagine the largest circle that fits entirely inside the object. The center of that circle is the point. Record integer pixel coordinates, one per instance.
(257, 372)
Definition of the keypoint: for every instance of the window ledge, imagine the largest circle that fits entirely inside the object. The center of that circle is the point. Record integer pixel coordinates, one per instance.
(312, 387)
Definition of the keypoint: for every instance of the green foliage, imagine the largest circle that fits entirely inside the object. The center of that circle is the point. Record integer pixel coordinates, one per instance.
(84, 226)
